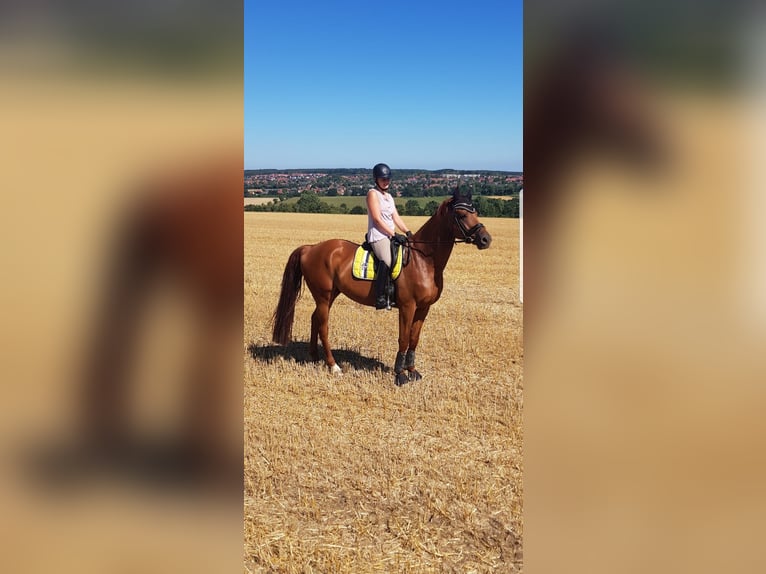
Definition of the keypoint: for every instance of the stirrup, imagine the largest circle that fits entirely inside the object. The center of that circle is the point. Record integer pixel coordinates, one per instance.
(381, 303)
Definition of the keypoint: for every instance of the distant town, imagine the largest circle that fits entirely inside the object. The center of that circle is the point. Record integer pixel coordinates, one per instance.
(496, 193)
(405, 183)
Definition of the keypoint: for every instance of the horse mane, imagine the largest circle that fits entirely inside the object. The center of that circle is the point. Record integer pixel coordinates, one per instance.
(445, 207)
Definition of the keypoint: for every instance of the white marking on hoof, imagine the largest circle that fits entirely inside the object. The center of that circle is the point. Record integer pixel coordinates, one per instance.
(335, 369)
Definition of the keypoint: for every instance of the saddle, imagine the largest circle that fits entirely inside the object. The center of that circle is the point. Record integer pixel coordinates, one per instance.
(365, 264)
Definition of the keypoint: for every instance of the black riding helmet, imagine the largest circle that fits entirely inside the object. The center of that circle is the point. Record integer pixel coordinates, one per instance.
(381, 171)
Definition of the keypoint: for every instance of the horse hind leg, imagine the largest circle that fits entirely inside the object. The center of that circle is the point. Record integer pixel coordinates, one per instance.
(320, 319)
(313, 345)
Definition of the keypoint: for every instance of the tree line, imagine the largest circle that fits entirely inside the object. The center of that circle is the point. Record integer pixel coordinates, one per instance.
(310, 202)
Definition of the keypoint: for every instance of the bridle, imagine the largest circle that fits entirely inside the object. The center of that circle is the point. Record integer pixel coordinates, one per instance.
(468, 234)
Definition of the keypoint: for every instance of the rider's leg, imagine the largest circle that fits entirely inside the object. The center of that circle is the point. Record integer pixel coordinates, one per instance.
(382, 250)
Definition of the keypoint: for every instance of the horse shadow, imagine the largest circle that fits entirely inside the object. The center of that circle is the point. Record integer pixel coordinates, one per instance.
(298, 351)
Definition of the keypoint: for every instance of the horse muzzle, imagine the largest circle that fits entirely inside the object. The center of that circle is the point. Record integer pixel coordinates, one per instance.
(482, 240)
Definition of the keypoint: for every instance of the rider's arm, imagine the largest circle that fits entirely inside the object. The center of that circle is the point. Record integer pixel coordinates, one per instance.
(399, 222)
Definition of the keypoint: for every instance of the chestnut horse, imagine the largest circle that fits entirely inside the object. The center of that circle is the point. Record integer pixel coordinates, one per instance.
(326, 267)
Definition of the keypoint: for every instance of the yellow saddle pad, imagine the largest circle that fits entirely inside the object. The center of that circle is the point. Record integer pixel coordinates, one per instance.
(366, 264)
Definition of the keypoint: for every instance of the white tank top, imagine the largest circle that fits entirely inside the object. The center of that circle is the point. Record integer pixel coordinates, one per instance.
(386, 214)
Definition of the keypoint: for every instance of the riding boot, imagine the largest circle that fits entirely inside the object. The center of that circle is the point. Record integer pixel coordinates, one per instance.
(382, 288)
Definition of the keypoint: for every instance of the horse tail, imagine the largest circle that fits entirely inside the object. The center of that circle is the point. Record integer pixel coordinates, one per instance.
(292, 281)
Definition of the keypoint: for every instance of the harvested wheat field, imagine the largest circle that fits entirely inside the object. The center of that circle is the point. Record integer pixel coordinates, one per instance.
(350, 473)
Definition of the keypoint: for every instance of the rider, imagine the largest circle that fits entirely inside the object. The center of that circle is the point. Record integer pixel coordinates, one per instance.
(381, 218)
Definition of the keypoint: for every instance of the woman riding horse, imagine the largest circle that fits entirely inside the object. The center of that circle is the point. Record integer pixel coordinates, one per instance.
(381, 218)
(326, 268)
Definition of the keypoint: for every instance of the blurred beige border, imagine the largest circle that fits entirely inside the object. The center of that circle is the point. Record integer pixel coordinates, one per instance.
(77, 140)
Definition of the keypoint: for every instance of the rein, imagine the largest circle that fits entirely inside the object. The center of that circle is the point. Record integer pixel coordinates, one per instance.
(453, 241)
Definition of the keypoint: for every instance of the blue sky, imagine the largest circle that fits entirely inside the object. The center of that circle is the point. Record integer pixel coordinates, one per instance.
(413, 84)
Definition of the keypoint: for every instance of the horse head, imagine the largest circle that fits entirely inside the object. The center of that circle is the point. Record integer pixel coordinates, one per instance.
(467, 226)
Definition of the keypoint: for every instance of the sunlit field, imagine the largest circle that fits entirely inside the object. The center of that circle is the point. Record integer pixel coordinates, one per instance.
(350, 473)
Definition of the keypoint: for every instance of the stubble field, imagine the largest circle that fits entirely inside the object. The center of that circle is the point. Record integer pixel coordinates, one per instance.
(350, 473)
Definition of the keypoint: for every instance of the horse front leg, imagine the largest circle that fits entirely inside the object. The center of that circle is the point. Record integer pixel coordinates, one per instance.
(406, 314)
(409, 359)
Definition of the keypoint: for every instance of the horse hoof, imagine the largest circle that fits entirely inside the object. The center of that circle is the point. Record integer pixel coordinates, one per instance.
(414, 375)
(401, 379)
(335, 369)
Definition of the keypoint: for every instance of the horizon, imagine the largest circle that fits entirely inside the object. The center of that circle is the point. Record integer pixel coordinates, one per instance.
(325, 168)
(392, 168)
